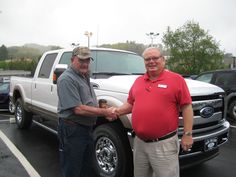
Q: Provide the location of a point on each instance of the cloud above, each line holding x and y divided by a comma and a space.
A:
61, 22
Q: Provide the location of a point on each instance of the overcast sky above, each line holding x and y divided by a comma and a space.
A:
62, 22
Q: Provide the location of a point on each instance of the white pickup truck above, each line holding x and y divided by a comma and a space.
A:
112, 74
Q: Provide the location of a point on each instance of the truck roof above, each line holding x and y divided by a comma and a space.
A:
92, 48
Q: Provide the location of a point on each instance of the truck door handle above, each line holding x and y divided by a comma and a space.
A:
95, 85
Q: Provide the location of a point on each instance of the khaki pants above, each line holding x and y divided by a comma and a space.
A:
157, 159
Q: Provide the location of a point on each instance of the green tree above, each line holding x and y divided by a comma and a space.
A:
3, 53
192, 50
129, 45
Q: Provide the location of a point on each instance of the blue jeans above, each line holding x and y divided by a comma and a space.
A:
75, 148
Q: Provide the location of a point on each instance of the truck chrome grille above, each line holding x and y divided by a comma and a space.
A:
207, 97
208, 112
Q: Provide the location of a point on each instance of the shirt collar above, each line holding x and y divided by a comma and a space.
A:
160, 77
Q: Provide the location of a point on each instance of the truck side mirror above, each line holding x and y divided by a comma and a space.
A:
59, 69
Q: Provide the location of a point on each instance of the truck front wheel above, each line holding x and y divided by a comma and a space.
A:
23, 118
112, 155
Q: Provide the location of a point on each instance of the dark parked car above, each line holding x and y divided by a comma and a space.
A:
5, 102
226, 79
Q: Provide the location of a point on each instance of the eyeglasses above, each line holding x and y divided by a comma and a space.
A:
152, 58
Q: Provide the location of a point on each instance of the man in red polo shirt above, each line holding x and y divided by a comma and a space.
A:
155, 100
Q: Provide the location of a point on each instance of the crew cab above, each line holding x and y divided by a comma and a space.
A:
112, 74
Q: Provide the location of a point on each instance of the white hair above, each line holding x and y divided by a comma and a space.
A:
151, 48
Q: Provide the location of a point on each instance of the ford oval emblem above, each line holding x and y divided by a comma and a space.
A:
207, 112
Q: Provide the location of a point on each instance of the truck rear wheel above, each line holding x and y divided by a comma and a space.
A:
112, 155
23, 118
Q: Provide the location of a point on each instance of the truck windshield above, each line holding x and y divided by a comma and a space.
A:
118, 63
112, 62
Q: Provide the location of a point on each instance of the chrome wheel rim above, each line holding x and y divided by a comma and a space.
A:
106, 155
18, 113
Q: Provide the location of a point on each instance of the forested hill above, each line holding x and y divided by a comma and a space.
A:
33, 51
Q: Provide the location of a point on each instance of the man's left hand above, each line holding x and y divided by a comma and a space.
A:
186, 142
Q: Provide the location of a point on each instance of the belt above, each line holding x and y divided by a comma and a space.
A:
67, 121
71, 122
169, 135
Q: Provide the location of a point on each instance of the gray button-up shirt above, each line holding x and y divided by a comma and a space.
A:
74, 89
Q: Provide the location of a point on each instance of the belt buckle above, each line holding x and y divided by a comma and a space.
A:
154, 140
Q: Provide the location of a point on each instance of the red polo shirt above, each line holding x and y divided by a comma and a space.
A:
156, 104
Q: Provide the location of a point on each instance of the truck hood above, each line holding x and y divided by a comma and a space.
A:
122, 84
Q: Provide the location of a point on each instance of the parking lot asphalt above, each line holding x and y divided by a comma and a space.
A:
35, 153
12, 161
9, 160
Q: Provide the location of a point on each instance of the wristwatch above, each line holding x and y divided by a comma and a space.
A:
188, 133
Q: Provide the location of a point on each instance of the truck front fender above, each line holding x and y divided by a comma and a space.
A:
114, 102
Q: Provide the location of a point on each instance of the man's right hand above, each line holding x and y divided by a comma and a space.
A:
111, 114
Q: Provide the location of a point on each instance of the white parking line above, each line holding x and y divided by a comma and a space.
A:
28, 167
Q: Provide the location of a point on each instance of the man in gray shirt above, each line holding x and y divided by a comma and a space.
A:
77, 112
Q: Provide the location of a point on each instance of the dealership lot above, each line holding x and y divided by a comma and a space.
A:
38, 149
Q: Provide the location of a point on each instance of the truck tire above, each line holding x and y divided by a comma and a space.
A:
232, 110
112, 153
23, 118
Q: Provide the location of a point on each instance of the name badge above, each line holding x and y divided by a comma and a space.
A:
162, 86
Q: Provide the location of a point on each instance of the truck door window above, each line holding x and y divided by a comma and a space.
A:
225, 79
47, 65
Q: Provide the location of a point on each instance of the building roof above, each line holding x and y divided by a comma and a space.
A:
14, 73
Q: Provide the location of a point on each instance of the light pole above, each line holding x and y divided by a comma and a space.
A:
234, 62
88, 34
152, 35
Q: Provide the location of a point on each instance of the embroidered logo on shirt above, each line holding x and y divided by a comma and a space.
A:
162, 86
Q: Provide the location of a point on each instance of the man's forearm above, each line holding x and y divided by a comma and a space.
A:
187, 113
126, 108
90, 111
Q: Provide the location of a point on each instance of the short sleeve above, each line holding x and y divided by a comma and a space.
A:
130, 98
184, 94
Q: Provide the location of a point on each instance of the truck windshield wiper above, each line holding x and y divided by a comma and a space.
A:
137, 73
110, 73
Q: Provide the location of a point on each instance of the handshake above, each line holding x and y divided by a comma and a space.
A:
111, 113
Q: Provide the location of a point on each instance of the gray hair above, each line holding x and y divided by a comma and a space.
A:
151, 48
